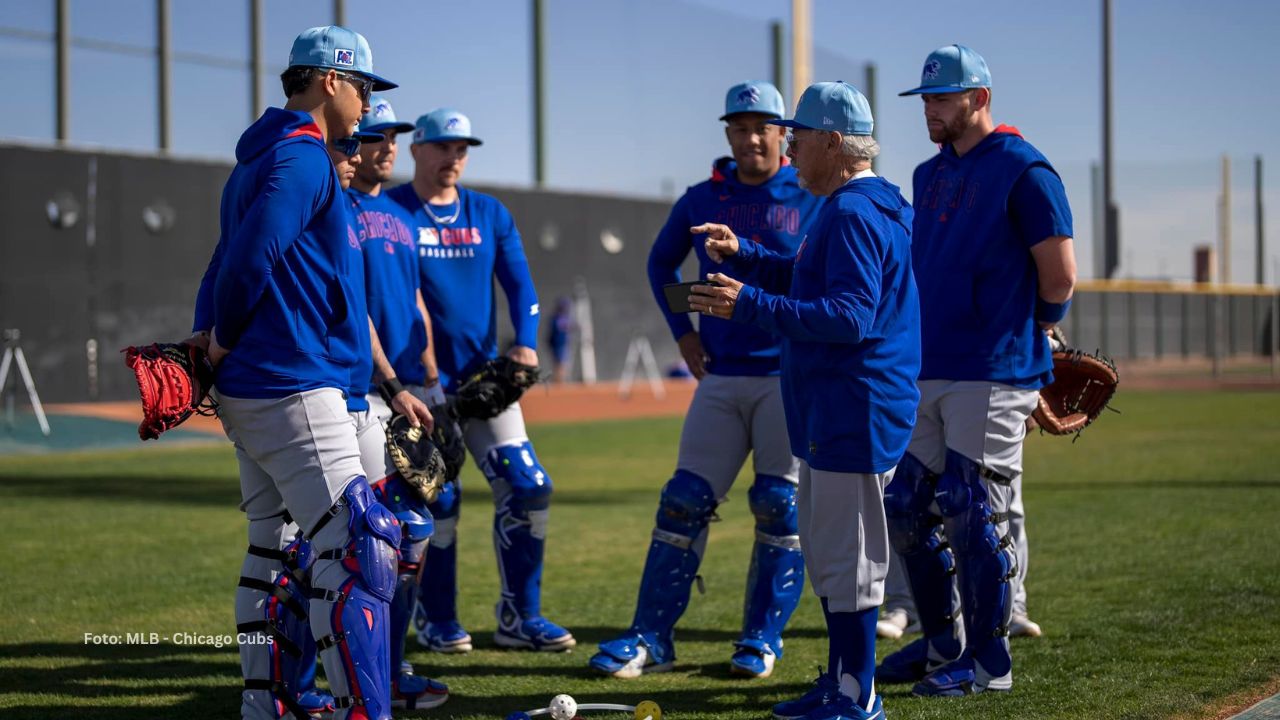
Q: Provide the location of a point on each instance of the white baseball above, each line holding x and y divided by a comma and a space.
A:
563, 707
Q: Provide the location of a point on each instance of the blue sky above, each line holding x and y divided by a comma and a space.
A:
635, 87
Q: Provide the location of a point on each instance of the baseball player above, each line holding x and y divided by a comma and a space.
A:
465, 239
736, 410
373, 230
993, 255
846, 307
285, 328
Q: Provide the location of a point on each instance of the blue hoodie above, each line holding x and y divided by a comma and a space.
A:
457, 262
278, 289
775, 214
850, 323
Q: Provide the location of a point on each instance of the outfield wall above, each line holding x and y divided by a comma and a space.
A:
79, 291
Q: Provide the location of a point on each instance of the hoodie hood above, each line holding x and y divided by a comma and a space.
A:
883, 194
274, 126
1002, 135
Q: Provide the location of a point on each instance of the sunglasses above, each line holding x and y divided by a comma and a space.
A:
363, 85
348, 146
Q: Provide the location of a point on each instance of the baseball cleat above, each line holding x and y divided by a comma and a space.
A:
892, 624
843, 707
907, 665
1023, 626
825, 690
535, 633
445, 637
749, 662
414, 692
317, 704
629, 657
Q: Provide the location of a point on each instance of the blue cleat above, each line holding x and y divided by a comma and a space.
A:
825, 691
445, 637
752, 662
533, 633
633, 655
317, 704
414, 692
908, 665
954, 679
842, 707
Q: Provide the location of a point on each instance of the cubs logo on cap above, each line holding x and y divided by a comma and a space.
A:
336, 48
382, 117
755, 96
444, 125
954, 68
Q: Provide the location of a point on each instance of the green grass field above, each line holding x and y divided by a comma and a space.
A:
1155, 573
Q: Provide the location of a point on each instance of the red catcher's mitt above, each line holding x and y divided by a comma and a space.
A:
1083, 385
174, 381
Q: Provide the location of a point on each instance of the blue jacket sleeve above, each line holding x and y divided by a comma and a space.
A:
203, 321
296, 186
669, 251
844, 310
761, 266
512, 268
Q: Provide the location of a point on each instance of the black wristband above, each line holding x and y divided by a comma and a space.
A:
390, 388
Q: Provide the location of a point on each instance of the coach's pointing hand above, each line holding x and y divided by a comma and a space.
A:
721, 242
718, 300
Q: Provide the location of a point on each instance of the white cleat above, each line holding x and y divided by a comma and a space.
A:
893, 624
1023, 626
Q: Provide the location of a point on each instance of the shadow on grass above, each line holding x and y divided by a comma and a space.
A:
1148, 485
120, 677
590, 636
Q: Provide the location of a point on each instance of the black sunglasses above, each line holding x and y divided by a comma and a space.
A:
348, 146
363, 85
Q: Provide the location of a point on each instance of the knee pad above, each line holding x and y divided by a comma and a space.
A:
906, 505
373, 538
773, 502
686, 507
527, 485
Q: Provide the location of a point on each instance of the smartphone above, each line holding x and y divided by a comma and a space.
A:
677, 294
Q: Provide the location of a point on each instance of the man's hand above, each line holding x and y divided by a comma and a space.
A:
216, 351
408, 405
522, 354
693, 353
717, 300
721, 242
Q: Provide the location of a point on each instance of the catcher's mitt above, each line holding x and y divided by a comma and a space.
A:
447, 437
1083, 385
173, 381
416, 457
491, 389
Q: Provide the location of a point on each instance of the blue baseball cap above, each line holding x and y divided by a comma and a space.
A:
444, 125
754, 96
336, 48
954, 68
381, 117
834, 106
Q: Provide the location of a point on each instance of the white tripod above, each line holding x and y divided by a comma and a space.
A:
13, 354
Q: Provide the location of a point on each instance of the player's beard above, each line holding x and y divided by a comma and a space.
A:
950, 132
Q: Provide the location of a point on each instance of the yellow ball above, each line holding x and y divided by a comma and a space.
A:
648, 710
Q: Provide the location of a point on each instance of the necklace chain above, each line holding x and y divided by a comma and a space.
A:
457, 210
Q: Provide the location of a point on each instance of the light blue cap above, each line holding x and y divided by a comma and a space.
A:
443, 125
754, 96
834, 106
954, 68
336, 48
381, 117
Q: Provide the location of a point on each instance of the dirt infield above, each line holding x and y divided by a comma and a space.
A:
602, 401
545, 404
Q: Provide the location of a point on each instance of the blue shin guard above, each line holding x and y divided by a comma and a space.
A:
916, 534
985, 562
435, 615
686, 506
775, 580
416, 528
354, 581
275, 609
523, 491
